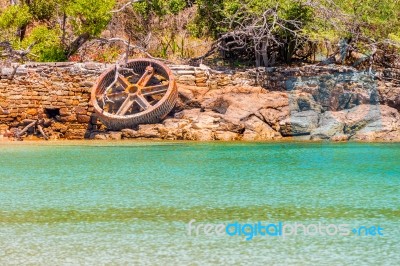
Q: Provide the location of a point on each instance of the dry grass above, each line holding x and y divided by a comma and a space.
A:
166, 37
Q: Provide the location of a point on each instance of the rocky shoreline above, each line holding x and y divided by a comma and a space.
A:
308, 103
255, 114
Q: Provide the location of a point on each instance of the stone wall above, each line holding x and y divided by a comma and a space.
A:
60, 92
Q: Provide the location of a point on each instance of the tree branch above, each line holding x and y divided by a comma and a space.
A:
126, 5
8, 51
131, 46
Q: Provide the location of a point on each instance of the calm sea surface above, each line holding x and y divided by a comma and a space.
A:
130, 203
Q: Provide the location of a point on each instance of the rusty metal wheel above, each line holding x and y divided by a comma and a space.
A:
141, 92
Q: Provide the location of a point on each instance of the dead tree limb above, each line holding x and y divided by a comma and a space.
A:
15, 68
8, 51
126, 5
32, 123
131, 46
262, 35
42, 132
20, 133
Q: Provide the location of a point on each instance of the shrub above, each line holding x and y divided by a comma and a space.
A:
46, 44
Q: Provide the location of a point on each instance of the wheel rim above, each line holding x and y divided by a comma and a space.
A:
143, 92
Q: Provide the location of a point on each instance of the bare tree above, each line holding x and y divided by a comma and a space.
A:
7, 51
264, 36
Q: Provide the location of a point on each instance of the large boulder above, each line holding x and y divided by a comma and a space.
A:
339, 91
256, 129
190, 97
238, 103
330, 124
364, 122
299, 123
373, 122
390, 95
151, 131
371, 118
274, 116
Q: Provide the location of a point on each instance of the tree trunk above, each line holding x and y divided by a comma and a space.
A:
258, 56
20, 133
64, 22
264, 50
42, 132
290, 51
21, 32
77, 43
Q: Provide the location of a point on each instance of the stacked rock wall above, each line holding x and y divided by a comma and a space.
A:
58, 91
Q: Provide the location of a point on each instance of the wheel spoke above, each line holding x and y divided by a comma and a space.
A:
126, 105
123, 81
147, 75
142, 101
113, 96
152, 90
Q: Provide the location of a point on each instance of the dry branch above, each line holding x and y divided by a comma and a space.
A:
32, 123
131, 46
258, 34
42, 132
8, 51
126, 5
20, 133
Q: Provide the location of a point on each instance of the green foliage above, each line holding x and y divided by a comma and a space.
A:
363, 23
394, 37
375, 19
42, 9
159, 7
46, 44
173, 45
15, 17
174, 6
210, 14
88, 16
108, 55
143, 8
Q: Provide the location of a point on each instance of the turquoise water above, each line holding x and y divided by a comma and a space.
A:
130, 203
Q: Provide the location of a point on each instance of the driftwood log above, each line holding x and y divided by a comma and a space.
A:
32, 123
